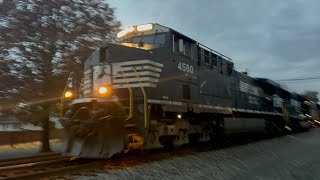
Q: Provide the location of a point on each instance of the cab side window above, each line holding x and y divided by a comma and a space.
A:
182, 46
206, 56
175, 44
187, 49
229, 69
213, 59
221, 66
199, 49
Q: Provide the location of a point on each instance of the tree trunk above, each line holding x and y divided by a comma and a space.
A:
45, 133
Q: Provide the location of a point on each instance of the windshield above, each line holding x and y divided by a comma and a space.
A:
155, 39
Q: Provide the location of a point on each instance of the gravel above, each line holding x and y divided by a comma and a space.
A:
288, 157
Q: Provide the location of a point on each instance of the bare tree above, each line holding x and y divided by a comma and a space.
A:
44, 39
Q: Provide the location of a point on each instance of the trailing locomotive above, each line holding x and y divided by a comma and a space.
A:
159, 88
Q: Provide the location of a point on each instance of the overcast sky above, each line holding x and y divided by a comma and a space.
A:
270, 38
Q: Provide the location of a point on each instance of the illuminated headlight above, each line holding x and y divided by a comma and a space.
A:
104, 90
125, 32
144, 27
179, 116
68, 94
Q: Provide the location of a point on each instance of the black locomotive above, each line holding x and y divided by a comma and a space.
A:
158, 87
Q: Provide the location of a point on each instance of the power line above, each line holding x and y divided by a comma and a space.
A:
301, 79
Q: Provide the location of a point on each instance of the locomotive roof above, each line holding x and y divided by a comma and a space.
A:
180, 34
155, 27
194, 41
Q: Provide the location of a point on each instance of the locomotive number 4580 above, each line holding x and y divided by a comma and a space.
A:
185, 67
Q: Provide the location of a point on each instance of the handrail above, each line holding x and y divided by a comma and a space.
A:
144, 99
62, 96
81, 87
130, 92
61, 103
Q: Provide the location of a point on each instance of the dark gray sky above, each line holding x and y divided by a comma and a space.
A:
270, 38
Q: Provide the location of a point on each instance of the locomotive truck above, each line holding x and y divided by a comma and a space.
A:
158, 88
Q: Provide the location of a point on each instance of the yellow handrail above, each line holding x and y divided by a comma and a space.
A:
62, 96
131, 95
61, 103
80, 89
144, 99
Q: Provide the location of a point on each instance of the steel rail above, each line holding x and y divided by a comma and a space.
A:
56, 171
32, 164
6, 162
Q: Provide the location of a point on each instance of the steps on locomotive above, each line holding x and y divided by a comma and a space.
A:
134, 140
130, 126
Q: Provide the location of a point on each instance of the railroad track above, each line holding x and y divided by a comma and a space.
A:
43, 166
54, 164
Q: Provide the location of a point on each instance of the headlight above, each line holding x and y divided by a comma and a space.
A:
144, 27
68, 94
103, 90
179, 116
125, 31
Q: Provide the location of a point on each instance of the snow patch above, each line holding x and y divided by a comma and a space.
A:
30, 7
3, 23
20, 6
65, 8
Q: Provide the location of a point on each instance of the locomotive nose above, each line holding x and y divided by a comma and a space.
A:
101, 141
92, 134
